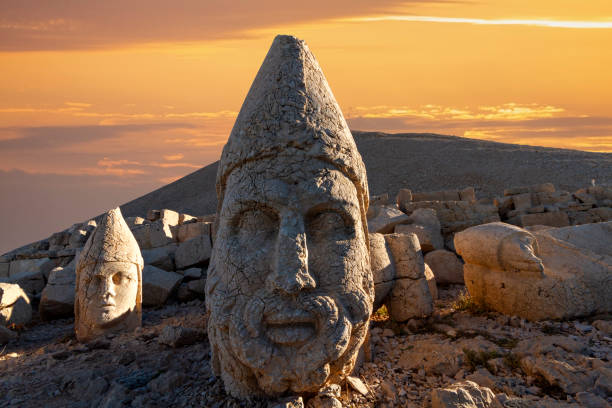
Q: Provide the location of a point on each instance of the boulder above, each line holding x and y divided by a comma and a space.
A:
20, 266
466, 394
554, 273
445, 265
410, 296
431, 282
385, 219
425, 225
153, 235
57, 299
403, 196
15, 305
6, 335
553, 219
178, 336
158, 285
162, 257
194, 252
383, 268
191, 230
32, 282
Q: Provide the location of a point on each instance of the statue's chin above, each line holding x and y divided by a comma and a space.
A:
288, 347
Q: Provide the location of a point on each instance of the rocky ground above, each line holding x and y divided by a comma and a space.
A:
166, 362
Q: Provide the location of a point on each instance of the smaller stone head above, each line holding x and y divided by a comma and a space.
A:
109, 280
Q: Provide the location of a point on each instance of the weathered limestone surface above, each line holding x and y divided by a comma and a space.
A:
445, 265
195, 251
425, 224
57, 299
466, 394
385, 218
553, 273
157, 285
383, 268
410, 296
15, 305
108, 280
289, 286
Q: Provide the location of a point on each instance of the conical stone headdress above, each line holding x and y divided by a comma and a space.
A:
291, 111
111, 241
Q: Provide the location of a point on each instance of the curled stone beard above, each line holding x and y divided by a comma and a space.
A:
300, 367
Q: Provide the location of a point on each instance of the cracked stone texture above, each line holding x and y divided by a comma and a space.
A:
555, 273
289, 286
108, 295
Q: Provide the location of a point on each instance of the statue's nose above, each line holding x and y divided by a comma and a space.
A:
290, 274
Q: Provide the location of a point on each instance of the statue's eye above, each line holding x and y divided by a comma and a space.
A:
258, 223
328, 225
117, 278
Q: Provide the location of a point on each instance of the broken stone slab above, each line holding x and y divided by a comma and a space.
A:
6, 335
158, 285
57, 298
410, 296
193, 252
553, 219
425, 225
15, 307
178, 336
43, 265
153, 235
383, 268
467, 194
385, 220
446, 266
553, 273
536, 188
162, 257
31, 282
4, 269
403, 197
570, 378
466, 394
191, 230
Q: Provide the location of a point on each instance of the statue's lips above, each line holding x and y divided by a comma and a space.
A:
290, 327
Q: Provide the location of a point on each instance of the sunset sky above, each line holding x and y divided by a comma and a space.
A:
103, 101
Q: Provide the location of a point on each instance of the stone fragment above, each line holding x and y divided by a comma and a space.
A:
410, 296
57, 299
431, 282
603, 385
553, 219
193, 229
184, 218
521, 202
383, 268
357, 385
158, 285
153, 215
465, 394
197, 286
571, 379
445, 265
289, 170
326, 398
153, 235
537, 188
193, 273
386, 219
162, 257
108, 294
133, 222
21, 266
194, 252
177, 336
6, 335
4, 269
403, 196
467, 194
587, 399
554, 273
32, 282
169, 217
288, 402
15, 305
381, 199
425, 224
183, 294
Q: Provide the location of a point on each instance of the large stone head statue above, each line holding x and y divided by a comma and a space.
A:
108, 280
289, 285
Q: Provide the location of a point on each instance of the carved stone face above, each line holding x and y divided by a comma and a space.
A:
111, 289
290, 287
